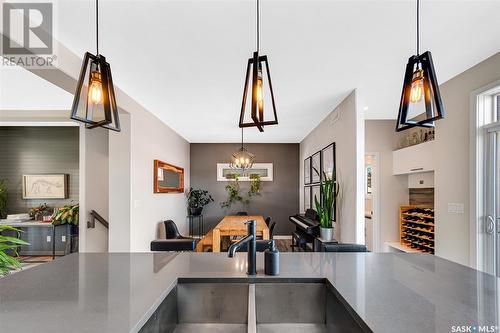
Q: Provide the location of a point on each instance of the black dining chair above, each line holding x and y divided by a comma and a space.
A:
268, 221
241, 214
271, 230
174, 240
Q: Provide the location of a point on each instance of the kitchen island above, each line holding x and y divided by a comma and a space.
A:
389, 292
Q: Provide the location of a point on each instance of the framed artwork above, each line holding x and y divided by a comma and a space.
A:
263, 170
53, 186
368, 179
328, 164
167, 178
307, 197
307, 171
316, 167
315, 193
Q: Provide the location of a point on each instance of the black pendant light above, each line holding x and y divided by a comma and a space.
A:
94, 103
421, 101
255, 68
242, 159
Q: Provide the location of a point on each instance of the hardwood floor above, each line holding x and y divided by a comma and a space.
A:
34, 259
283, 245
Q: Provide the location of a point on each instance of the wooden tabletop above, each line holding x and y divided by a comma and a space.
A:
233, 225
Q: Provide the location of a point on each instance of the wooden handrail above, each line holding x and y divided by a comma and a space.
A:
95, 216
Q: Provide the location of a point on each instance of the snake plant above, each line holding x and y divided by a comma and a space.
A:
329, 189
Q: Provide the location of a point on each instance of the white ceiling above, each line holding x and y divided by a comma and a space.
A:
185, 60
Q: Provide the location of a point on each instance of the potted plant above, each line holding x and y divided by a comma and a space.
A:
68, 214
234, 195
8, 250
38, 212
197, 199
329, 190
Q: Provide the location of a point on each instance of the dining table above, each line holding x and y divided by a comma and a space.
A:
234, 225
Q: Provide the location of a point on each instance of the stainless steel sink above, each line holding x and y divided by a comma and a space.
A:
253, 305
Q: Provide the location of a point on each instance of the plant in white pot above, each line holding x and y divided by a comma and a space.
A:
329, 189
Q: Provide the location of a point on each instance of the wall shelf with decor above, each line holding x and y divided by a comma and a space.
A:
416, 228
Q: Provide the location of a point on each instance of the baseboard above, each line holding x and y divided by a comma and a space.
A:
282, 237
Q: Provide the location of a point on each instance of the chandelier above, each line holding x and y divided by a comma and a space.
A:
242, 159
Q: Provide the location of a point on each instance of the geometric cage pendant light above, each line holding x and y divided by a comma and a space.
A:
94, 102
242, 159
421, 103
257, 79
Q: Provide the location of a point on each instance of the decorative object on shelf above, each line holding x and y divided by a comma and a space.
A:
3, 199
262, 170
8, 246
197, 199
307, 171
39, 212
421, 103
234, 195
167, 178
316, 167
328, 159
414, 138
94, 102
45, 186
67, 214
242, 159
325, 205
255, 68
416, 228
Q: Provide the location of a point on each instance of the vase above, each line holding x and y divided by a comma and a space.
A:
326, 234
195, 211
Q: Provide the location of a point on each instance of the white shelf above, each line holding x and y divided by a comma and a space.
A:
413, 159
401, 248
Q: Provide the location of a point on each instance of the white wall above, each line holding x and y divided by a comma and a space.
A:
452, 159
151, 139
94, 188
348, 134
380, 137
119, 186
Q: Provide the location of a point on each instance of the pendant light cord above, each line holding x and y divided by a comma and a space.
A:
97, 25
258, 28
418, 27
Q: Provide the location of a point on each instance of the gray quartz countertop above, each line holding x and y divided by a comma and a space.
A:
390, 292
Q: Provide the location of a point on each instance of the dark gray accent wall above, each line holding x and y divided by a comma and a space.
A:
279, 198
38, 150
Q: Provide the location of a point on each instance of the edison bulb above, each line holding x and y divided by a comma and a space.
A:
417, 86
95, 89
260, 97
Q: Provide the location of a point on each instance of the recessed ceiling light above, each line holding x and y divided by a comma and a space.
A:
365, 108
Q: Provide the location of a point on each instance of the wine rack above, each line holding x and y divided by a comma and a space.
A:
416, 228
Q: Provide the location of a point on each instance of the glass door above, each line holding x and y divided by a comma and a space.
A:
492, 199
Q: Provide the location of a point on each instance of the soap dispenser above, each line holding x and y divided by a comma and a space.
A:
272, 260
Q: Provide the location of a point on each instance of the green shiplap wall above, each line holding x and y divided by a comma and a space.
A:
38, 150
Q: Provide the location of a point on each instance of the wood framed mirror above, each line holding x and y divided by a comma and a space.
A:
167, 178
